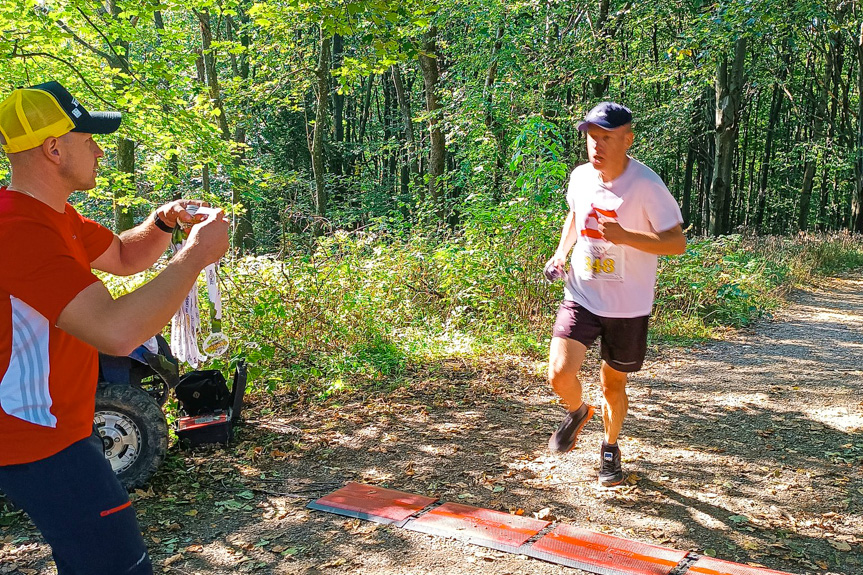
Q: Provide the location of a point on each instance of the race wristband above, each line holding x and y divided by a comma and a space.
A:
162, 225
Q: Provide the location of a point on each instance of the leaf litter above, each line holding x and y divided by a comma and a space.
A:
739, 449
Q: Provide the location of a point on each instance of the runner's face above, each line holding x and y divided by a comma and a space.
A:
606, 149
80, 160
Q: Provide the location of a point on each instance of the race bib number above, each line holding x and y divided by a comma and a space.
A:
599, 261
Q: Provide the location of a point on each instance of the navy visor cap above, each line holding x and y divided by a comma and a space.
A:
606, 115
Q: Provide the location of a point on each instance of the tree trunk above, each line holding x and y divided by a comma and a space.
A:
772, 122
323, 89
606, 30
857, 198
366, 110
729, 87
390, 162
173, 159
336, 160
706, 153
437, 154
819, 110
696, 124
492, 123
243, 234
407, 119
210, 72
119, 60
123, 217
202, 79
738, 195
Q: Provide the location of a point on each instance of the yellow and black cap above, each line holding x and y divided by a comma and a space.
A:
31, 115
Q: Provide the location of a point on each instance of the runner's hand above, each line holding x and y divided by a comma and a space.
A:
612, 231
556, 263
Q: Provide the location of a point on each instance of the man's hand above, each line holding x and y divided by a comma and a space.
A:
208, 240
118, 326
174, 213
612, 231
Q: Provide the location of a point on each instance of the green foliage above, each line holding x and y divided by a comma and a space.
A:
716, 283
731, 281
367, 307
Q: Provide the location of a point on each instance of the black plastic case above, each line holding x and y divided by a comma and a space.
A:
216, 427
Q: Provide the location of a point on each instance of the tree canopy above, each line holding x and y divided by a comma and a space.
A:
306, 117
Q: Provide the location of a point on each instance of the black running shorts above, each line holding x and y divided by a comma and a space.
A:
622, 343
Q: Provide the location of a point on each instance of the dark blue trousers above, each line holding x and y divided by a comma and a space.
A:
82, 510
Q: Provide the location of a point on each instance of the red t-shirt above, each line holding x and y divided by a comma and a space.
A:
47, 377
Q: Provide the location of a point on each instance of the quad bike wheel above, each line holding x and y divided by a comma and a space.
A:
133, 430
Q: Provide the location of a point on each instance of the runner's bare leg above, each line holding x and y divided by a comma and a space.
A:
564, 361
615, 402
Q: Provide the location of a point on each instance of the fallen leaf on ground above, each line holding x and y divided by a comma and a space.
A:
839, 545
173, 559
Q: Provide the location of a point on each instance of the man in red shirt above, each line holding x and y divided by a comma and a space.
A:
54, 316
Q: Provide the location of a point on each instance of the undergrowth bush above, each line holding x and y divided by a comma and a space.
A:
729, 282
366, 306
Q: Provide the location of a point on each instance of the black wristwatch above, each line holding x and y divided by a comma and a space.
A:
162, 225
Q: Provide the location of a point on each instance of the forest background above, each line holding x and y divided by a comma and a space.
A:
395, 170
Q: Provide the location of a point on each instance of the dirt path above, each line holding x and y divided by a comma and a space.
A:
749, 449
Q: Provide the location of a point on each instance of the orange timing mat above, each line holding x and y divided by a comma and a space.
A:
601, 553
373, 503
485, 527
564, 544
711, 566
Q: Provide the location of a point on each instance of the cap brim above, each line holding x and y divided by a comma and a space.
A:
98, 123
583, 126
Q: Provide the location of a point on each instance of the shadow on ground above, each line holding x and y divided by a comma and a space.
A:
748, 449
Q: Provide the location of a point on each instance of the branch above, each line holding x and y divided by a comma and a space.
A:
84, 43
17, 54
573, 22
123, 61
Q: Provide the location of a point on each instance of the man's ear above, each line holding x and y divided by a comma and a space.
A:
630, 138
51, 149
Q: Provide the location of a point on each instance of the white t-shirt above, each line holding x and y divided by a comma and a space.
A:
610, 280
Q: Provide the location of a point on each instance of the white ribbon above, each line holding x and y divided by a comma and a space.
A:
186, 323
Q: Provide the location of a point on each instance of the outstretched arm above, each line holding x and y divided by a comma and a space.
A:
137, 249
117, 326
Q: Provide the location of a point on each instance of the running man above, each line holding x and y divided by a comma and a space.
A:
621, 217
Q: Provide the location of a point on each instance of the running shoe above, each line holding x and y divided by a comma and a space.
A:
610, 473
564, 438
